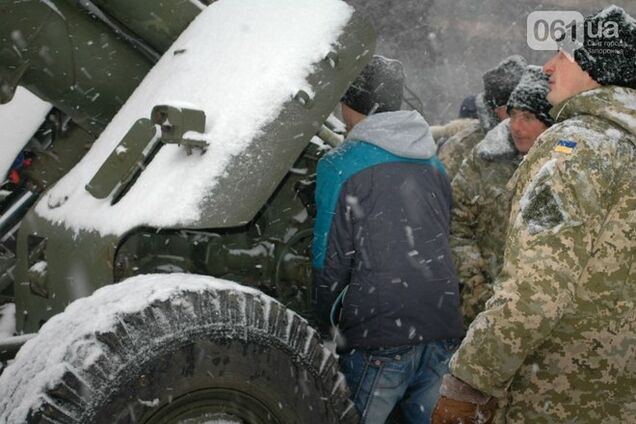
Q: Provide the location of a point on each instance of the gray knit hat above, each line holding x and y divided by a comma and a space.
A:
500, 81
378, 88
530, 95
608, 51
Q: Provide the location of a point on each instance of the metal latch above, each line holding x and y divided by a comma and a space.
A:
177, 122
141, 143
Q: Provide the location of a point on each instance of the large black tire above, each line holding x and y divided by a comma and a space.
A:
218, 353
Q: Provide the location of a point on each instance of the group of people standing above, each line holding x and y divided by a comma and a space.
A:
519, 226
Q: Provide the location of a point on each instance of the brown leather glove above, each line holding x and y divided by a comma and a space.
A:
461, 404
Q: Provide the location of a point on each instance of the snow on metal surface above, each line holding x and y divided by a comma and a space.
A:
198, 4
54, 8
23, 382
239, 62
7, 320
19, 120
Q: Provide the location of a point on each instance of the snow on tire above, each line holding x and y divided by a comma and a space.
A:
175, 348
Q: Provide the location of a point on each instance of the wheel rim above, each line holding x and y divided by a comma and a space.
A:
211, 406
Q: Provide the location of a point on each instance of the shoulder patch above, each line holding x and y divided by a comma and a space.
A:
540, 207
543, 211
565, 146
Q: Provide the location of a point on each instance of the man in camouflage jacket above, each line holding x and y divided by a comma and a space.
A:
491, 109
481, 199
467, 118
557, 341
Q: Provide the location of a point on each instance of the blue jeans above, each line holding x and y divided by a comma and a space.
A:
404, 376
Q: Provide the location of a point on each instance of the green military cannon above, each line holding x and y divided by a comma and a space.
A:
174, 211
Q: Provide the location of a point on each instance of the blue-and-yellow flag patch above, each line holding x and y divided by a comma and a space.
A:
565, 146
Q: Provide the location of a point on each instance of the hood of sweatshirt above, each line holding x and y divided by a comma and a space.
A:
403, 133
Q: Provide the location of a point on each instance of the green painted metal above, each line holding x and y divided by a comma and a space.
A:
251, 177
68, 58
253, 219
158, 23
139, 146
126, 161
177, 122
77, 264
66, 143
271, 253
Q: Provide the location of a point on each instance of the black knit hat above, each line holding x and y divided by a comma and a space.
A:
530, 95
608, 52
468, 109
380, 83
500, 81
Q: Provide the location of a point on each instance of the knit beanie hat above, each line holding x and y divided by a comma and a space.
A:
608, 51
378, 88
488, 119
500, 81
468, 109
530, 95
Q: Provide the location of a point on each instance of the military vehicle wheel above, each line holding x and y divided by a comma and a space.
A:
175, 349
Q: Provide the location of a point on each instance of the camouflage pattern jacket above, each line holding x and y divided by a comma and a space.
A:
480, 216
455, 149
558, 337
441, 133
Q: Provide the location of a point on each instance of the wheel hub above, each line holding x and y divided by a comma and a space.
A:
214, 406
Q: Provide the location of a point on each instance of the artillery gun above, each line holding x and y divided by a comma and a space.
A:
204, 122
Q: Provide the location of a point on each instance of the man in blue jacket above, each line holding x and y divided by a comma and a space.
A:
382, 264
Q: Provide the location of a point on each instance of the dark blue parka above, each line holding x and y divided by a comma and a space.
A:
381, 236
